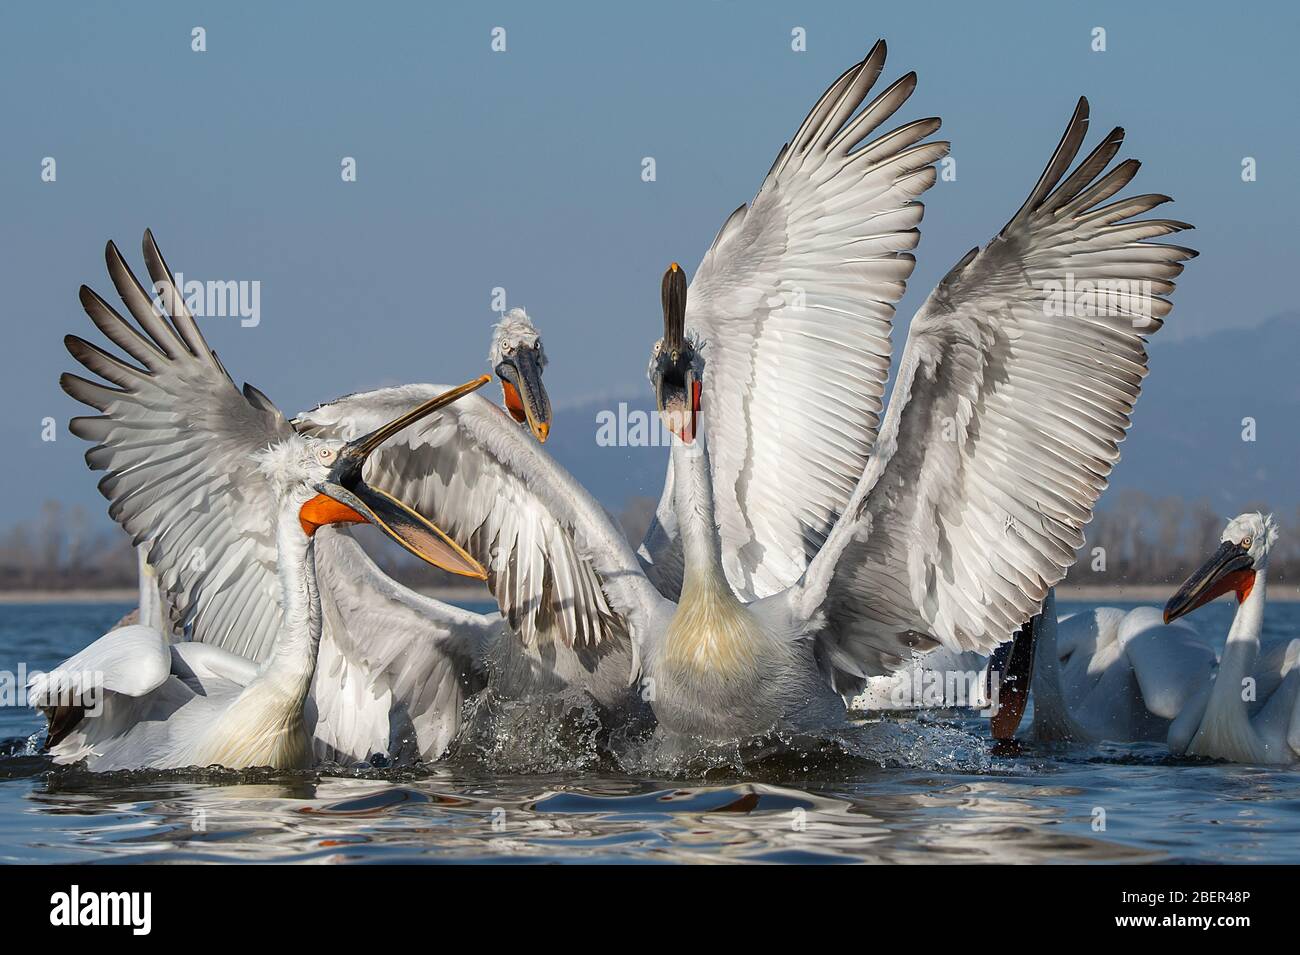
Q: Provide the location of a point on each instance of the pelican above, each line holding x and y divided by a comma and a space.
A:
1145, 675
220, 479
393, 667
1101, 675
1249, 714
516, 356
794, 554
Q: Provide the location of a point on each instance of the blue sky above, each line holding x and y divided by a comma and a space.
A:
522, 169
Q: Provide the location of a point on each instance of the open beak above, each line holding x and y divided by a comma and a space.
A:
1229, 568
677, 391
345, 498
525, 395
1012, 666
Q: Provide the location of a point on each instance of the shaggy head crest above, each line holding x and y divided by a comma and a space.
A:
286, 463
517, 330
1259, 527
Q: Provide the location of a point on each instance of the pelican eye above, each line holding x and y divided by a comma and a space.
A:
326, 455
1245, 542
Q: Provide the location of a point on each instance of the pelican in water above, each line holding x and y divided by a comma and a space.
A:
231, 474
1145, 675
795, 554
1104, 674
1250, 713
393, 666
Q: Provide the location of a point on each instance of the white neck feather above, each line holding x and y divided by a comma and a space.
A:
292, 662
1242, 649
264, 725
693, 501
712, 633
1225, 731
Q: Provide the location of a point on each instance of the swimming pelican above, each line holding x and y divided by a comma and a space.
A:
394, 667
1011, 401
1143, 675
233, 499
1249, 714
1104, 674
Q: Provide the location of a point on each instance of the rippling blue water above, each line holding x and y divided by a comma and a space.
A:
902, 790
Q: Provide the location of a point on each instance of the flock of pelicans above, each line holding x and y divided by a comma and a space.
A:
801, 548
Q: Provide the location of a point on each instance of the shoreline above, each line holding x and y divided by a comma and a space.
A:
1142, 593
129, 595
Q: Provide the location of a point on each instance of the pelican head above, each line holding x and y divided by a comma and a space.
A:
518, 358
322, 479
1242, 552
675, 364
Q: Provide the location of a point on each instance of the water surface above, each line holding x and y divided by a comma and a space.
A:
883, 790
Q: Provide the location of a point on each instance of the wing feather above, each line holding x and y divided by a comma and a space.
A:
793, 305
176, 438
557, 565
1015, 390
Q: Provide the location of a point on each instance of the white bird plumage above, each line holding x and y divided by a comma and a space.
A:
934, 540
1144, 675
809, 552
214, 483
163, 705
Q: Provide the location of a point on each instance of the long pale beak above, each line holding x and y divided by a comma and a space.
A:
1012, 665
348, 499
1229, 568
525, 395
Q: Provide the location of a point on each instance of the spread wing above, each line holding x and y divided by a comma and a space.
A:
1015, 390
793, 305
559, 567
175, 437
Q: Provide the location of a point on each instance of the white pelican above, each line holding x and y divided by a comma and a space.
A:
1249, 714
232, 498
1104, 674
394, 665
1005, 422
1146, 676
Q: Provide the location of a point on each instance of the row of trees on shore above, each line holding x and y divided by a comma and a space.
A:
1135, 538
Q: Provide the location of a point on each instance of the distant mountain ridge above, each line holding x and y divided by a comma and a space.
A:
1188, 437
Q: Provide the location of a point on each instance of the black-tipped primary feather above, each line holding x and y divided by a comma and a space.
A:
118, 330
176, 444
141, 306
107, 366
1064, 154
172, 299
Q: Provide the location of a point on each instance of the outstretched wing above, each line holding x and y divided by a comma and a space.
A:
793, 305
559, 567
1014, 393
175, 437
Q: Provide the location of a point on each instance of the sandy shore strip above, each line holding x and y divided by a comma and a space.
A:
1143, 593
1155, 593
128, 595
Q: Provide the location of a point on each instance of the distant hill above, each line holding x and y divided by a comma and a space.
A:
1187, 435
1186, 438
